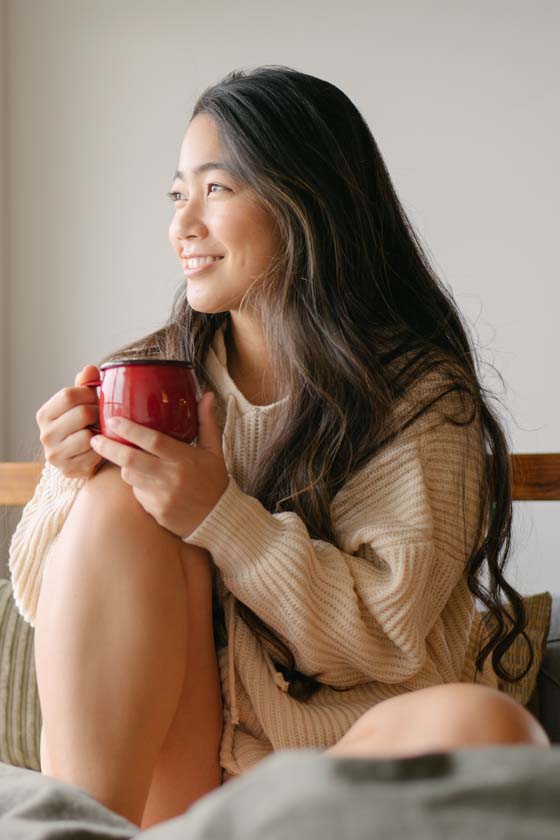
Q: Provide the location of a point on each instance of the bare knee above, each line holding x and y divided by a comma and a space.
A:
107, 496
107, 535
488, 716
471, 715
112, 511
449, 716
105, 493
107, 511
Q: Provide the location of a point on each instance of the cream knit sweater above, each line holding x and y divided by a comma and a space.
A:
384, 610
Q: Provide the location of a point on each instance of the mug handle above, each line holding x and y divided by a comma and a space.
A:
93, 383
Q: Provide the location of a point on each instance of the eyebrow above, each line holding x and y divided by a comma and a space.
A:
204, 167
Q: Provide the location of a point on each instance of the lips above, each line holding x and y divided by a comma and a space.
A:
214, 257
188, 254
199, 267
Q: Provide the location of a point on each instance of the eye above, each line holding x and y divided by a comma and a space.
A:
174, 198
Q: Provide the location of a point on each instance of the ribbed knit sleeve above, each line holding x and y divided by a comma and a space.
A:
361, 609
41, 522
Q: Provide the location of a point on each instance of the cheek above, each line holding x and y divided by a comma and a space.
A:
253, 235
227, 227
267, 233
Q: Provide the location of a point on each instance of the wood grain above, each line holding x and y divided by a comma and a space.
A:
18, 480
536, 477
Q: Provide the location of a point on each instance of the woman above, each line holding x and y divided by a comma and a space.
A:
306, 575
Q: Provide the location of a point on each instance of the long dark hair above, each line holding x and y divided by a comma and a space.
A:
353, 315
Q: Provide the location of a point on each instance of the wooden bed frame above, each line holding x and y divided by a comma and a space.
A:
536, 477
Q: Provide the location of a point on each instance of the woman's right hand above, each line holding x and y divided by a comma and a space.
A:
63, 422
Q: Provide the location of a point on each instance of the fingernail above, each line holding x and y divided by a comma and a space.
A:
114, 422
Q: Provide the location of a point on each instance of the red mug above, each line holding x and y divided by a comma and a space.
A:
157, 393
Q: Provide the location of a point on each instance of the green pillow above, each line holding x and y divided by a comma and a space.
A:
20, 711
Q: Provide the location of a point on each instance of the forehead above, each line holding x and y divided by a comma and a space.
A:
201, 151
201, 141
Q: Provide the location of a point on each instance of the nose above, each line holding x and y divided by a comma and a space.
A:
188, 222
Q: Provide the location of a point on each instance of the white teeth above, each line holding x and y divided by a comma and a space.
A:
195, 262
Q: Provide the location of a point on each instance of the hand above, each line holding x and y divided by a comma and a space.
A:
176, 483
63, 425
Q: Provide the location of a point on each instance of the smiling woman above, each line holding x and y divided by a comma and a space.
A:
231, 229
342, 490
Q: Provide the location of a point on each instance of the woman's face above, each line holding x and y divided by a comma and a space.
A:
216, 215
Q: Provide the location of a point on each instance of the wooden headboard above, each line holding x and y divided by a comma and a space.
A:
536, 477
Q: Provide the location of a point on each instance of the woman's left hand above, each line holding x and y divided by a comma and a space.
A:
176, 483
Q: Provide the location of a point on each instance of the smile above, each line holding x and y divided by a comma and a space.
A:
195, 265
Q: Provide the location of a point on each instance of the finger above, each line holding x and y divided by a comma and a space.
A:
97, 466
80, 466
149, 440
138, 480
86, 465
87, 373
64, 400
124, 455
76, 445
72, 421
209, 434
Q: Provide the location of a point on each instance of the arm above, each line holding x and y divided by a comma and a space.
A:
360, 610
41, 522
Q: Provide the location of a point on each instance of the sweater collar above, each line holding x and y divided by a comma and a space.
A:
216, 365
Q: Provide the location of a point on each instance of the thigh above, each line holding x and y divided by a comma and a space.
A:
201, 699
108, 540
188, 765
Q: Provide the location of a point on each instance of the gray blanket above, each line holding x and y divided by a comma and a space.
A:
508, 792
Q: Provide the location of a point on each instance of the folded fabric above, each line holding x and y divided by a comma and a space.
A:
507, 791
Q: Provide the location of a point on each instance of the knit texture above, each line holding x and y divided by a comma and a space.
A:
384, 610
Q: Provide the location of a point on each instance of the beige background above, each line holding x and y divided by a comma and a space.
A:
94, 96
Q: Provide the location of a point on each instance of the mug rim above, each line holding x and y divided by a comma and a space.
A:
145, 362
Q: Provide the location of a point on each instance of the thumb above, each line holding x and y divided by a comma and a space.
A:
87, 373
209, 433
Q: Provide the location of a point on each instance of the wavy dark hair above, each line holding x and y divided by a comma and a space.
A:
354, 316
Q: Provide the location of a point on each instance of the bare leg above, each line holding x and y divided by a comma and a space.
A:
188, 763
111, 645
440, 718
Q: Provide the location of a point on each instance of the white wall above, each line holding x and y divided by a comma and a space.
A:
8, 516
3, 234
461, 97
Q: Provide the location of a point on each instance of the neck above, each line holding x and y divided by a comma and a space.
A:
247, 360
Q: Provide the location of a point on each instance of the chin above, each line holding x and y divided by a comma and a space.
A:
204, 303
207, 309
